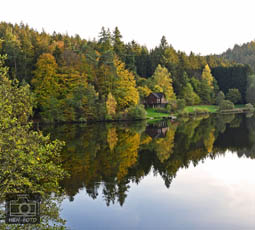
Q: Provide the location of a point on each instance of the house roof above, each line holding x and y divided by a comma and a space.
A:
158, 95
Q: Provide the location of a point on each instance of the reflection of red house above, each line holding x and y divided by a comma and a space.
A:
156, 100
158, 130
157, 133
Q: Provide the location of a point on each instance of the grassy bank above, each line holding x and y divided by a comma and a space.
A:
153, 114
190, 110
207, 108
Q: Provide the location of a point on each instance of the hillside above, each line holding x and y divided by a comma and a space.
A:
73, 79
244, 54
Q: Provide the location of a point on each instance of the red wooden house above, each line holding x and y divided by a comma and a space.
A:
156, 100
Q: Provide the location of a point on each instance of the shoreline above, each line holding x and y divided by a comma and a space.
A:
197, 111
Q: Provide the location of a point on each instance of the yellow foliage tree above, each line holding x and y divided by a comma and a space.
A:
45, 80
125, 90
162, 81
111, 105
104, 79
54, 89
144, 91
206, 75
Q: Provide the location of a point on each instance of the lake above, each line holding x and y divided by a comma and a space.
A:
194, 173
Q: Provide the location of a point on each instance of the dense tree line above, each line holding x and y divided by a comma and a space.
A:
77, 80
233, 77
244, 54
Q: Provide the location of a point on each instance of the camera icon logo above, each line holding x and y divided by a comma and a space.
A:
22, 208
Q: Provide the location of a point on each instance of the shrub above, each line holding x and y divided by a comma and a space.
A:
169, 108
172, 104
121, 115
226, 105
249, 107
181, 104
234, 95
136, 112
220, 97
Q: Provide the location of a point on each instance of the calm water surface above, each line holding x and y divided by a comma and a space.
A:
190, 174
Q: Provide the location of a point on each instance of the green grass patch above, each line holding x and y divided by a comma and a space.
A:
209, 108
152, 113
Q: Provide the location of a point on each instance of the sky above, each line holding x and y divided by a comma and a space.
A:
202, 26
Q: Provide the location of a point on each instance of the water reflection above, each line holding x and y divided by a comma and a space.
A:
109, 157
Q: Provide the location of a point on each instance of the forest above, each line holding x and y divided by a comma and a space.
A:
73, 79
244, 54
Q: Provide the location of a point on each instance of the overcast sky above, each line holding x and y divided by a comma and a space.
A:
201, 26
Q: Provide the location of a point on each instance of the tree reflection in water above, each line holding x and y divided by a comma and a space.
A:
109, 157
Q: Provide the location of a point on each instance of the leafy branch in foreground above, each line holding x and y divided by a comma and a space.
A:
29, 161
